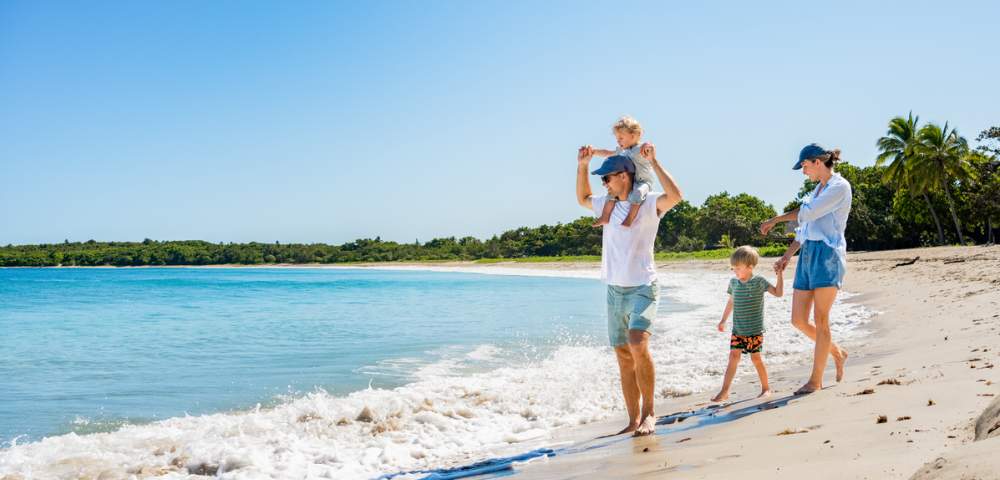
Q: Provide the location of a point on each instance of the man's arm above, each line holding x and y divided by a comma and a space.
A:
583, 194
671, 192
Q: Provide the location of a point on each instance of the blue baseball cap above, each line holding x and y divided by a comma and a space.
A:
615, 164
809, 151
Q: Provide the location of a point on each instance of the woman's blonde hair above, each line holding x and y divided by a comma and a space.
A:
627, 124
745, 255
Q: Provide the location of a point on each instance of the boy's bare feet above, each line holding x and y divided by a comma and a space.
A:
627, 223
764, 393
839, 361
646, 427
721, 397
600, 222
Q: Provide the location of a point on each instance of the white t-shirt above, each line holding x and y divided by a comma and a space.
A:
627, 252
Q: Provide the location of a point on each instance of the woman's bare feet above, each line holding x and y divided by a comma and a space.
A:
764, 393
646, 427
839, 361
721, 397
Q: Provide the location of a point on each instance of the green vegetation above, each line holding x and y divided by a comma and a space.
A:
920, 172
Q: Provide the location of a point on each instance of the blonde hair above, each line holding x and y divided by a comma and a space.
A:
745, 255
627, 124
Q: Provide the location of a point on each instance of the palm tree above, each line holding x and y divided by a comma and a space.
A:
941, 159
898, 147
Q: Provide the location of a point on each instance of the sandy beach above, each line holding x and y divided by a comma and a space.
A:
908, 407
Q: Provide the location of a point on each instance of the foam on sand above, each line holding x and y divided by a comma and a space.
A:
444, 418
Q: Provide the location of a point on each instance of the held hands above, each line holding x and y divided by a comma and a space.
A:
584, 154
648, 151
779, 266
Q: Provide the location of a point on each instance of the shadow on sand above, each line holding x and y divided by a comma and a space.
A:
669, 424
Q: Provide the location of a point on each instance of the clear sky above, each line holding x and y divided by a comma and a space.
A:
330, 121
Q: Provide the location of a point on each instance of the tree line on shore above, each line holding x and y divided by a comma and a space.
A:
927, 187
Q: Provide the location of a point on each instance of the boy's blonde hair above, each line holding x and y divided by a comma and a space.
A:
628, 124
745, 255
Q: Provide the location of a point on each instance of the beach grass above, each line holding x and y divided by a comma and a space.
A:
714, 254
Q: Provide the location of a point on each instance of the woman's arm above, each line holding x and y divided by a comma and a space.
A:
771, 222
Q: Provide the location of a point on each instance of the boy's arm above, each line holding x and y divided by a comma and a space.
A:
725, 314
671, 192
600, 152
583, 193
778, 289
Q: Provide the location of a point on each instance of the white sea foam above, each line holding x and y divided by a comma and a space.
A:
442, 418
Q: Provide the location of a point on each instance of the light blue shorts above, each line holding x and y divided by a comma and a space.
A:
639, 191
631, 308
819, 266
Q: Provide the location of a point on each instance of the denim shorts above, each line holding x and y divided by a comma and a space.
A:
631, 308
819, 266
639, 191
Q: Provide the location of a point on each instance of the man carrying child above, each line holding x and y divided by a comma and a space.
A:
628, 269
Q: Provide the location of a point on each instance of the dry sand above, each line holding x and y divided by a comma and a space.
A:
930, 373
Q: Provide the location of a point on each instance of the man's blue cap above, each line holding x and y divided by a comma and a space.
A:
615, 164
809, 151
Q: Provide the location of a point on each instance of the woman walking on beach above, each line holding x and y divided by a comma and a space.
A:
822, 219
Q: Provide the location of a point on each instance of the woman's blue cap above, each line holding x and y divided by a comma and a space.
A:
809, 151
615, 164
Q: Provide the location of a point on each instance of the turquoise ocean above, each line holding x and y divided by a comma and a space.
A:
326, 372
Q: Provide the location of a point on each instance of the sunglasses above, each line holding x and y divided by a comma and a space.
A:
607, 178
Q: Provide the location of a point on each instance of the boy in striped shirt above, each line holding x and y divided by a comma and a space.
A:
746, 303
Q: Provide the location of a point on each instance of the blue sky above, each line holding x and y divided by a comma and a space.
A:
331, 121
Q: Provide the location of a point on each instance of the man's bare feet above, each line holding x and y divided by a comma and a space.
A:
646, 427
600, 222
764, 393
630, 428
808, 388
839, 361
721, 397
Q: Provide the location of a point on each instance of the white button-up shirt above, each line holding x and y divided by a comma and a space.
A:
823, 216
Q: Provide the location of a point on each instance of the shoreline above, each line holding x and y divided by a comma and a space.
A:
907, 407
951, 292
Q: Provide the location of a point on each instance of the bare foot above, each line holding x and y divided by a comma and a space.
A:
647, 427
630, 428
626, 223
721, 397
601, 222
764, 393
808, 388
839, 361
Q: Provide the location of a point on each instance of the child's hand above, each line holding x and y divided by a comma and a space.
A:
648, 150
584, 154
721, 326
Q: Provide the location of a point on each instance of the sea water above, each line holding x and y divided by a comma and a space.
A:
330, 373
